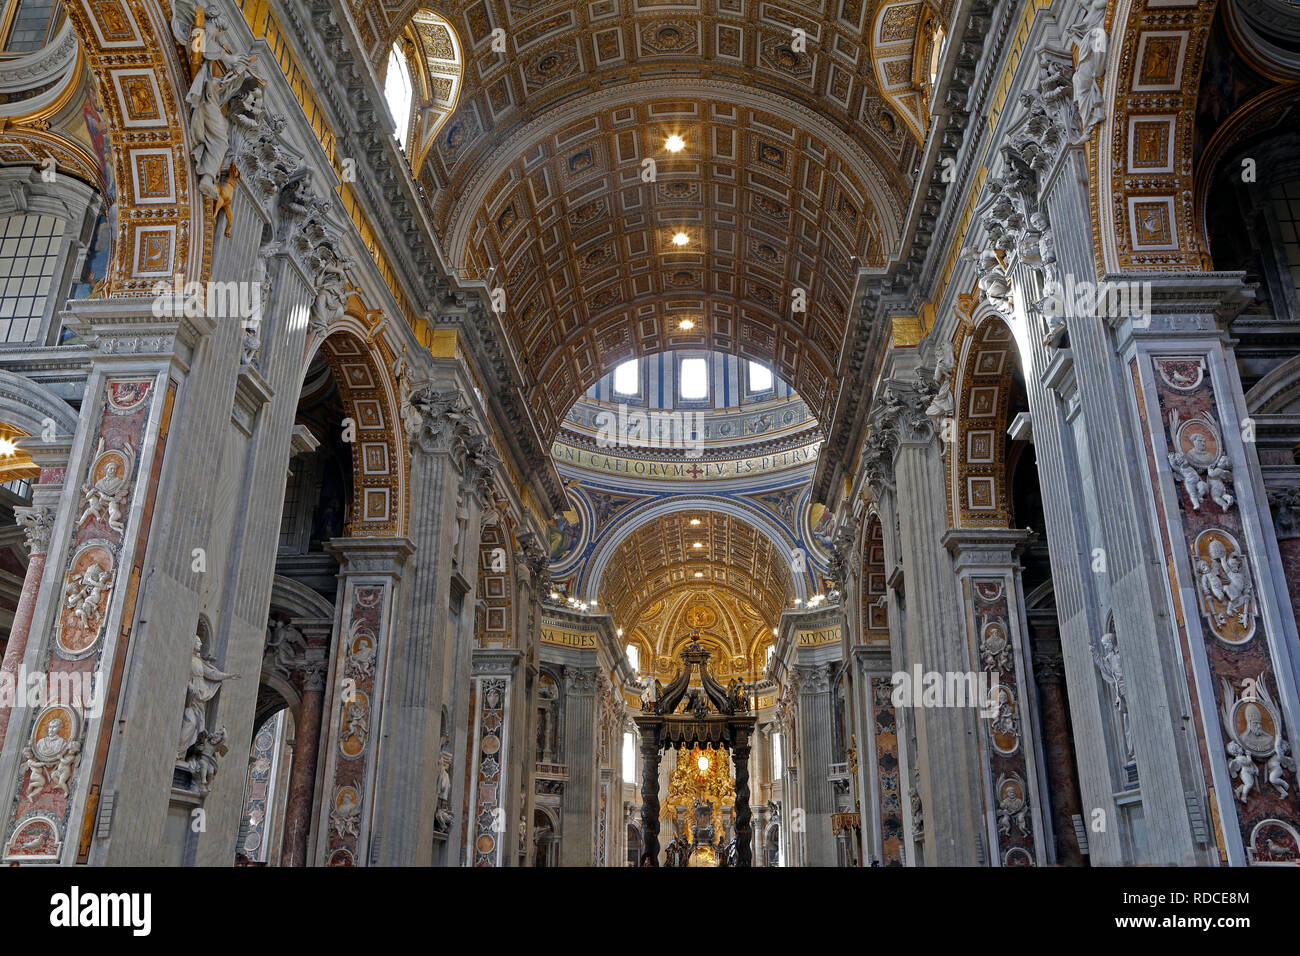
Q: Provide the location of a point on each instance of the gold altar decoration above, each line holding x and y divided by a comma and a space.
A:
690, 782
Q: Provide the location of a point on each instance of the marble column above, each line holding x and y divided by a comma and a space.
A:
494, 808
816, 712
347, 790
1058, 757
743, 816
410, 761
649, 746
580, 748
947, 751
37, 522
300, 808
1014, 784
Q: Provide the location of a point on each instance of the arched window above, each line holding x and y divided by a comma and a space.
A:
397, 91
422, 81
634, 656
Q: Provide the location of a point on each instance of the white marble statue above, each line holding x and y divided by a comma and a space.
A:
331, 287
204, 684
202, 761
50, 759
105, 498
344, 817
1091, 48
83, 591
1241, 766
1111, 665
1279, 762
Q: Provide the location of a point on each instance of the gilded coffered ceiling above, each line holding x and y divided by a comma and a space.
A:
662, 559
795, 174
732, 630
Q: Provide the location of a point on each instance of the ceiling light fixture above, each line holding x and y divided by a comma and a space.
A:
699, 574
695, 521
680, 239
675, 144
698, 544
619, 632
7, 447
686, 325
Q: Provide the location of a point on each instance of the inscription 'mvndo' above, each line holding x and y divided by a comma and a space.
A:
823, 635
551, 635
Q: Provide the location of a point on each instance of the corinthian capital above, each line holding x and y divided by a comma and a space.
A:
581, 680
437, 421
814, 678
900, 415
37, 522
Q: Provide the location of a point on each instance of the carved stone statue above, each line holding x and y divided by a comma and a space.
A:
204, 684
105, 498
203, 757
1091, 49
993, 282
1279, 762
1242, 767
219, 76
82, 593
331, 286
1108, 661
50, 759
442, 816
345, 815
1012, 808
1190, 477
941, 406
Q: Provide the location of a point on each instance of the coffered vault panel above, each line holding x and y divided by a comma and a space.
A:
660, 558
583, 245
795, 175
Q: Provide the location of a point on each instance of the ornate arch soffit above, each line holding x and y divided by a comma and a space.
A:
896, 40
594, 571
1141, 163
439, 70
979, 494
885, 202
379, 505
132, 58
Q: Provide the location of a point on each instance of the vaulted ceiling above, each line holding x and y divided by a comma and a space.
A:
661, 558
796, 173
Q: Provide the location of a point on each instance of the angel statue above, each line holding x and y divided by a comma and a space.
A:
105, 497
1280, 761
204, 684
